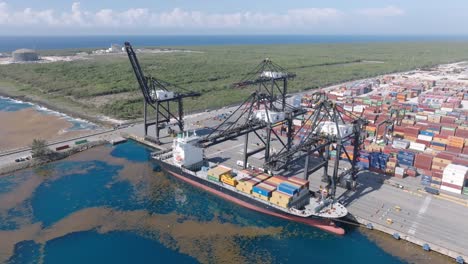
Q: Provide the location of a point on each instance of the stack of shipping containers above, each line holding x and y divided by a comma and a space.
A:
432, 134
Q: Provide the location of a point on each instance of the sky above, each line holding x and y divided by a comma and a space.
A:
233, 17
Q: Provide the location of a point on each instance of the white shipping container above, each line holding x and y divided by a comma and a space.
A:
455, 174
358, 108
446, 109
400, 144
421, 117
417, 146
399, 171
297, 122
425, 137
348, 108
450, 189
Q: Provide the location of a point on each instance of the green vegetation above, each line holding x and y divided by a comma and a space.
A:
106, 84
39, 149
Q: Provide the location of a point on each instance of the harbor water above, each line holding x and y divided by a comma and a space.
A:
111, 204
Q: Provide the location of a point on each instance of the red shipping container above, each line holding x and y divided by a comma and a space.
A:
412, 131
426, 143
454, 186
437, 175
460, 161
398, 129
447, 132
447, 120
454, 149
445, 155
427, 172
411, 172
461, 133
423, 161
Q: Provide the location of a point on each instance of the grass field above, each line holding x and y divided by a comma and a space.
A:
106, 84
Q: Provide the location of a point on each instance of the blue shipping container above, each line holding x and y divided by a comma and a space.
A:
286, 190
438, 144
290, 186
261, 191
426, 133
436, 182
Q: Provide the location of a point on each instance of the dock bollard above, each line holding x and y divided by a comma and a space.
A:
460, 260
426, 247
396, 236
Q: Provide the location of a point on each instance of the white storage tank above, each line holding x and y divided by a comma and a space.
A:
25, 55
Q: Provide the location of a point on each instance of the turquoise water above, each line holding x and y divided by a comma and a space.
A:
110, 205
9, 105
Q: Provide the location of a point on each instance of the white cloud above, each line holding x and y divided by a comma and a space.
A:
387, 11
176, 18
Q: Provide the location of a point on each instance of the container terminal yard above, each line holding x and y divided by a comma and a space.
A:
387, 153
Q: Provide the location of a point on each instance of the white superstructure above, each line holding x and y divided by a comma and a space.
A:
185, 151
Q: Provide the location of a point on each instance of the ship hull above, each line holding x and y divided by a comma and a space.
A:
321, 223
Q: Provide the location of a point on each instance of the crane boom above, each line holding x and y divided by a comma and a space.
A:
159, 97
142, 80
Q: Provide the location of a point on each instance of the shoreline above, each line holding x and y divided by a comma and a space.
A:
44, 103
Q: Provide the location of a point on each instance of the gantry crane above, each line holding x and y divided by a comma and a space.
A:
157, 95
318, 139
269, 77
264, 109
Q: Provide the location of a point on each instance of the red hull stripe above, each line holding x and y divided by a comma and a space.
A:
325, 225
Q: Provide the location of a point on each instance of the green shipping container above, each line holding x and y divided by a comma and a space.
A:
78, 142
465, 191
211, 178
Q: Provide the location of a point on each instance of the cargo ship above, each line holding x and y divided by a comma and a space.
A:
287, 198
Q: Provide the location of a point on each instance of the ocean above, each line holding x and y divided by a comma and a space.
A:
112, 205
11, 43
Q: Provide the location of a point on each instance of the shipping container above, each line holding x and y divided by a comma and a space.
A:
62, 147
79, 142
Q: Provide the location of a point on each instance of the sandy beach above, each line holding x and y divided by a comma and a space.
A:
21, 127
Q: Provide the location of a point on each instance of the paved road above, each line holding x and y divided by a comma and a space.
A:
438, 221
10, 157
